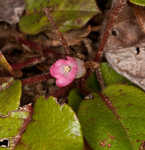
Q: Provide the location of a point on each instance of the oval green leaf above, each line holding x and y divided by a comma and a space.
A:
101, 128
129, 102
52, 127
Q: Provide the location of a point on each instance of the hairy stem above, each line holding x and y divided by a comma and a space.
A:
58, 33
117, 7
36, 79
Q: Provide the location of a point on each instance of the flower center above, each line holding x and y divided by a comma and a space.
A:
67, 69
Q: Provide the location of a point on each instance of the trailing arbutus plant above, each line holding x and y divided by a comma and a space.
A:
108, 112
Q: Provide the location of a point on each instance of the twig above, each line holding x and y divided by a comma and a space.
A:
58, 33
38, 47
30, 44
36, 79
9, 46
29, 62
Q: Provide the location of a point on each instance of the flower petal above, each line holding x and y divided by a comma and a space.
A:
57, 70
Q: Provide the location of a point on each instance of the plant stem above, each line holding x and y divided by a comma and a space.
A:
29, 62
38, 47
109, 105
36, 79
58, 33
118, 6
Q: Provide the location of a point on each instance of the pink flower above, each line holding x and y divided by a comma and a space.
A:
64, 71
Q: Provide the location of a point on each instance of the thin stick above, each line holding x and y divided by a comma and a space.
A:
36, 79
60, 36
30, 62
38, 47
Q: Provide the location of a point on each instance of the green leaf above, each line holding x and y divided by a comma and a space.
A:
10, 98
4, 63
11, 125
67, 15
74, 99
53, 127
92, 83
33, 5
33, 23
12, 119
138, 2
110, 76
129, 102
101, 128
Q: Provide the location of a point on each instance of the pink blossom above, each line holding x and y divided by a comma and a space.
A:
64, 70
